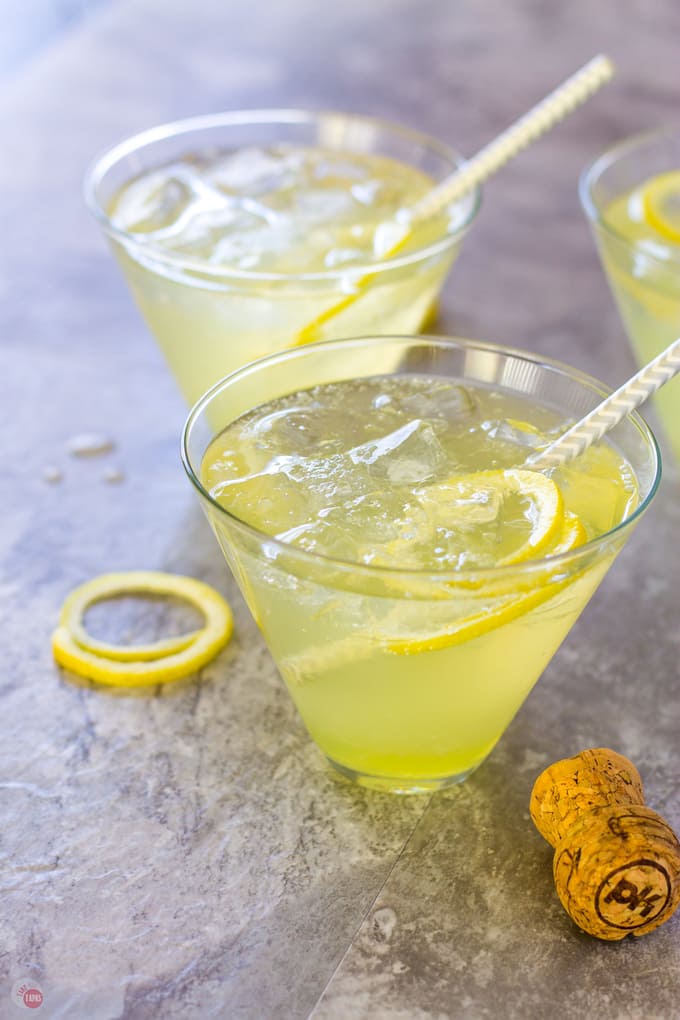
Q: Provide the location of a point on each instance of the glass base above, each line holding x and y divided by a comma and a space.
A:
400, 784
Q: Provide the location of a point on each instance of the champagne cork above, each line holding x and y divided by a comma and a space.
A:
617, 862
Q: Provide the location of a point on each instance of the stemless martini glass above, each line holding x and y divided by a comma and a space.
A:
210, 314
642, 266
406, 678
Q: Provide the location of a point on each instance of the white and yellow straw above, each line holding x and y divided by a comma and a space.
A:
611, 411
556, 105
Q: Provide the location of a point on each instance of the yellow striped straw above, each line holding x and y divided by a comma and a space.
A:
556, 105
611, 411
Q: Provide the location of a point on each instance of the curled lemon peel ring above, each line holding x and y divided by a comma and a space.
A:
137, 582
140, 665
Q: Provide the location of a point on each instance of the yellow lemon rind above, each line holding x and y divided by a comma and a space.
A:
548, 498
138, 582
312, 331
113, 673
652, 195
573, 534
160, 662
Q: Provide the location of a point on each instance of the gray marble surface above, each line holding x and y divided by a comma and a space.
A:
187, 853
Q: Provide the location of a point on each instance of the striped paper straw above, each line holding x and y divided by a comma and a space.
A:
556, 105
539, 119
611, 411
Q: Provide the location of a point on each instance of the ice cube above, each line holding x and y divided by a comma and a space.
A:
269, 500
442, 401
450, 503
517, 433
370, 528
198, 232
319, 536
305, 427
411, 454
366, 192
321, 206
341, 256
152, 202
258, 242
254, 171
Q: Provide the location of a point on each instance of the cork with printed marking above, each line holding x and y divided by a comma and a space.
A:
617, 862
594, 778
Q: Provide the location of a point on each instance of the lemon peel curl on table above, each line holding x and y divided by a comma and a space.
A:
140, 665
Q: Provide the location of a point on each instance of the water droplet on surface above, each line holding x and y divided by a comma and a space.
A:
114, 476
89, 444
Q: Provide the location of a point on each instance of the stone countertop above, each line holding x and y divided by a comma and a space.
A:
187, 853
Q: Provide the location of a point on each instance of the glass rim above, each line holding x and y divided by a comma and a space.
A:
363, 570
594, 170
104, 162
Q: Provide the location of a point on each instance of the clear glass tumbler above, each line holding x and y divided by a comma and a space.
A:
209, 319
644, 276
390, 702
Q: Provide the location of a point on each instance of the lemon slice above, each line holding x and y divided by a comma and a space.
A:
546, 507
301, 668
522, 508
158, 662
661, 205
312, 331
572, 534
524, 426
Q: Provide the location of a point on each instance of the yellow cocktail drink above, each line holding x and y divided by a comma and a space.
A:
633, 198
237, 232
412, 579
